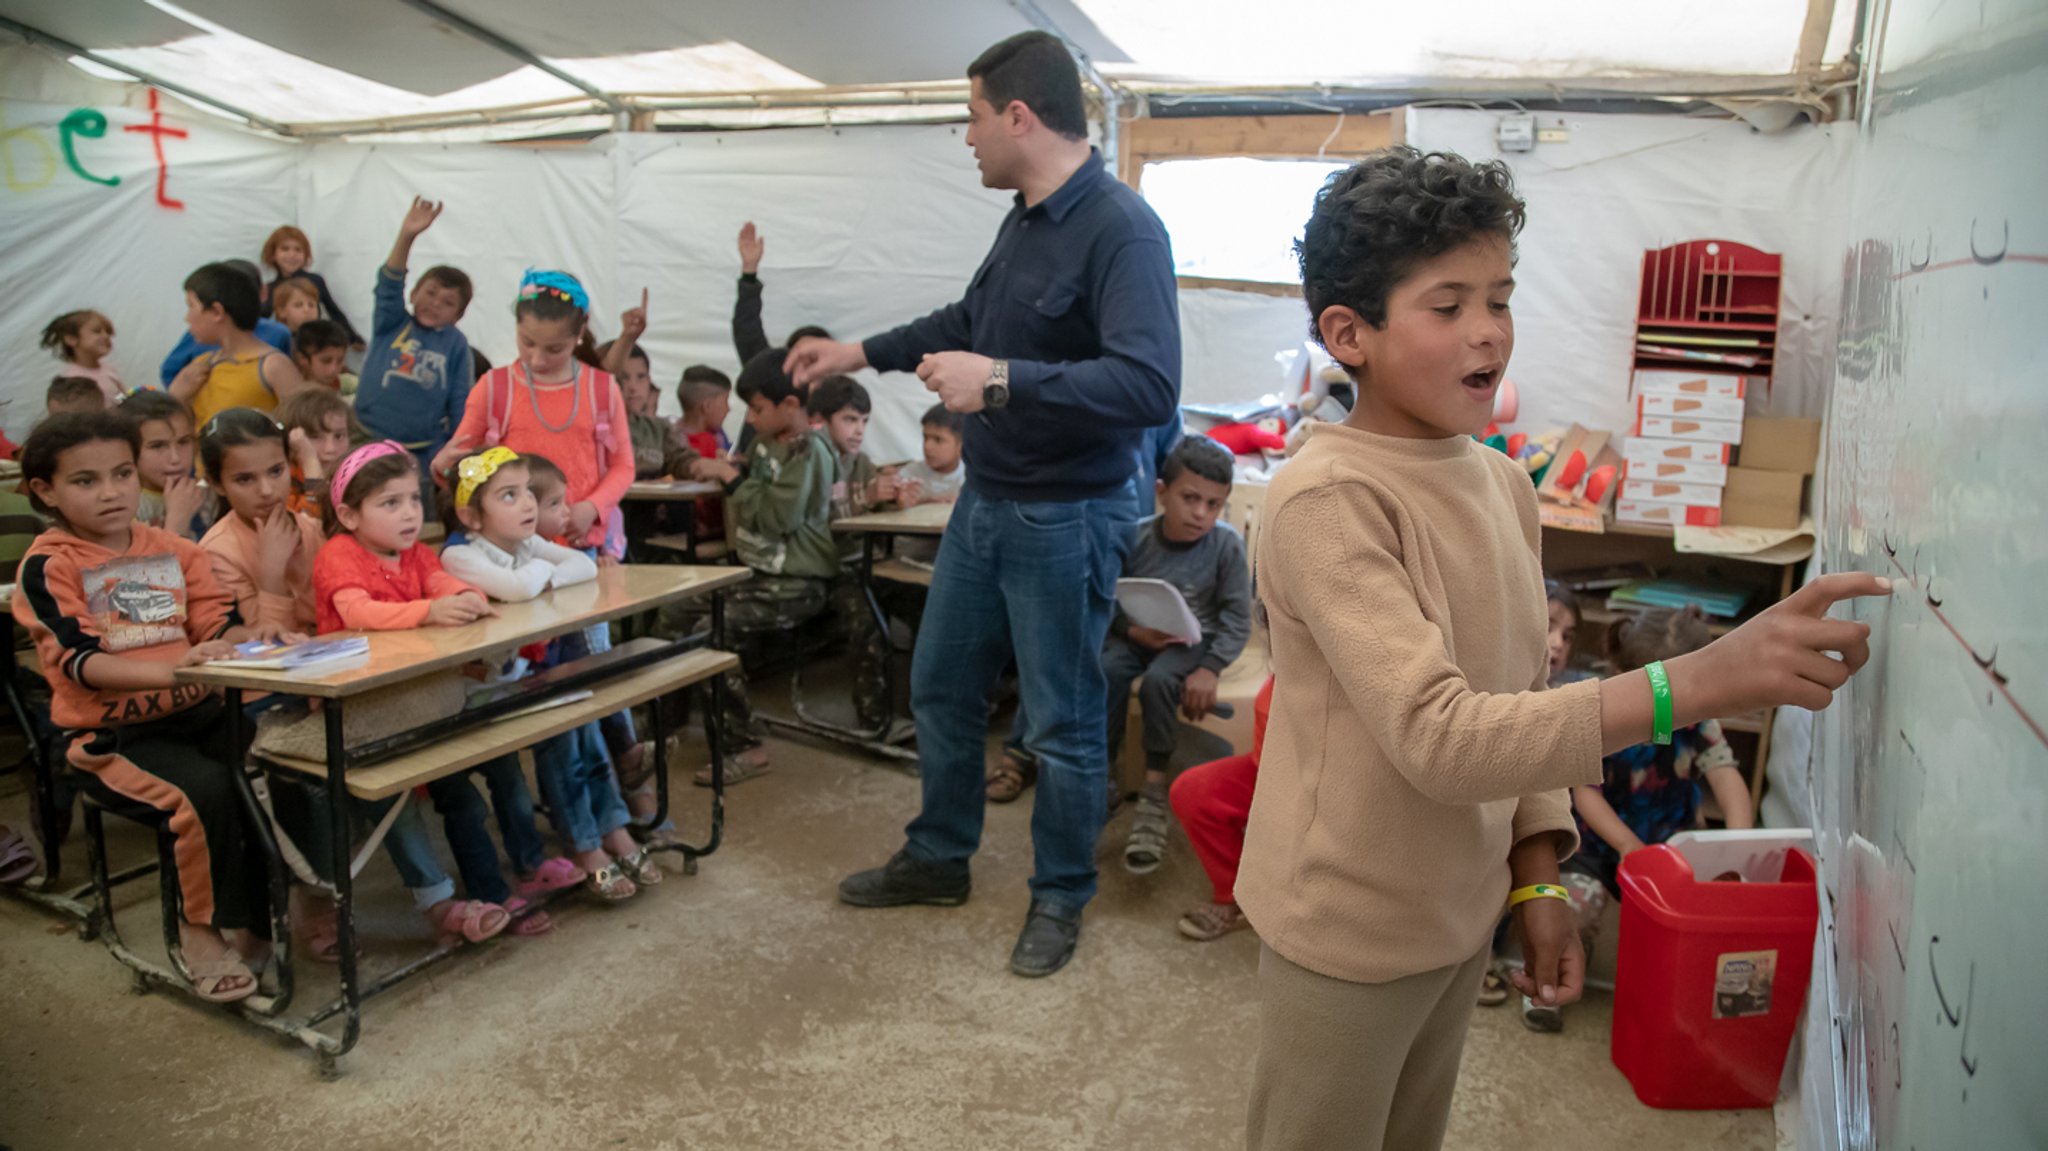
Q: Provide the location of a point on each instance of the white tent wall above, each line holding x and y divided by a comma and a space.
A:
71, 243
1623, 184
866, 226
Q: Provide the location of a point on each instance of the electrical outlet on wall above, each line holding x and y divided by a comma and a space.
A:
1516, 133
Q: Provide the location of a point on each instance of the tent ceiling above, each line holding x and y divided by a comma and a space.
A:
316, 66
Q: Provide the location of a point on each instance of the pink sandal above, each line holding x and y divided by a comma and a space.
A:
470, 919
557, 874
528, 919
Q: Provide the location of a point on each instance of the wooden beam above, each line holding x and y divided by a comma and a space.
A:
1255, 287
1813, 35
1275, 137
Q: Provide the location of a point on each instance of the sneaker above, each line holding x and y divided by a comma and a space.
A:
905, 880
1046, 943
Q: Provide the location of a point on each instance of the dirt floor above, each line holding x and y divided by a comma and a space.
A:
744, 1007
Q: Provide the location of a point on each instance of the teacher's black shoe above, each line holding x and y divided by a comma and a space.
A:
905, 880
1046, 943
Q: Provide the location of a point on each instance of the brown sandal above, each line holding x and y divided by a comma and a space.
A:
1010, 776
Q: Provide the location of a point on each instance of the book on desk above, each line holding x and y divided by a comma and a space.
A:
330, 654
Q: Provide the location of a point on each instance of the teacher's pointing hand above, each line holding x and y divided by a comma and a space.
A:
957, 378
815, 358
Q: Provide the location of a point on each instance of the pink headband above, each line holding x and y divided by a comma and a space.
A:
355, 461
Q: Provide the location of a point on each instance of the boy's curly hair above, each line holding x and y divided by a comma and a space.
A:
1376, 220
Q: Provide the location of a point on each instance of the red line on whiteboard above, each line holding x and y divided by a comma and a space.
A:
1997, 682
1969, 262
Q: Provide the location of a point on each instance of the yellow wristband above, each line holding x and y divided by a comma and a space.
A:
1523, 895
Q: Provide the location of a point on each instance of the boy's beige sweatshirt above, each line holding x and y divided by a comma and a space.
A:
1410, 746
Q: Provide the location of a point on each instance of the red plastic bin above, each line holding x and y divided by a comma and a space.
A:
1710, 980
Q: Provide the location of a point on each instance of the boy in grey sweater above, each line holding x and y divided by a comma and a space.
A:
1185, 546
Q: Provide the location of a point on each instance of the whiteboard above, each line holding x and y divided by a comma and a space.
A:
1931, 772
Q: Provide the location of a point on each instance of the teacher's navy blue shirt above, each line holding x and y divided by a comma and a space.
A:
1078, 295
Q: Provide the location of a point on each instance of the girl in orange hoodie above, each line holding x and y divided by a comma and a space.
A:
115, 608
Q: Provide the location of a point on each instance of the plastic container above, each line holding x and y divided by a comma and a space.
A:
1712, 974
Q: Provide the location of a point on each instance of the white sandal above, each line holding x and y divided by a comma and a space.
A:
209, 974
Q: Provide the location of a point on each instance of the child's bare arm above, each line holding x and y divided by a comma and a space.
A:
1733, 795
105, 672
1553, 958
1600, 817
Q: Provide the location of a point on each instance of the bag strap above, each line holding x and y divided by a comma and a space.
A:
601, 409
497, 406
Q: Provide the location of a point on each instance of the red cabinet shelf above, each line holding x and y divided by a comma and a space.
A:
1710, 286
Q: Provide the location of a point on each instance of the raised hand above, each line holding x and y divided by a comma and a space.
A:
633, 322
752, 246
420, 216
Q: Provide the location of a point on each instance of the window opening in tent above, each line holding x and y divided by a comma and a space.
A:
1235, 218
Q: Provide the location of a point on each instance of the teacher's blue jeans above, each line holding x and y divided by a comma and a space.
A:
1039, 580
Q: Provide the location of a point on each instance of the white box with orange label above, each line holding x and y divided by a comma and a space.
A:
1630, 511
1693, 407
1698, 495
1689, 428
1676, 472
1647, 450
1653, 382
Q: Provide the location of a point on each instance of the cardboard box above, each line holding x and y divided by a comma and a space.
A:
1776, 445
1629, 511
1688, 428
1657, 382
1672, 472
1644, 450
1659, 491
1755, 498
1697, 407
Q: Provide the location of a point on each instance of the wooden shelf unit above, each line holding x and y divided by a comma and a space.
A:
1709, 288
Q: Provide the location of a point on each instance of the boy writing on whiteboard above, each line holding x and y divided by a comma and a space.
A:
1204, 560
1414, 774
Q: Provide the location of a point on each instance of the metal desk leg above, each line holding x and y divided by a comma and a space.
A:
344, 894
713, 717
874, 741
273, 859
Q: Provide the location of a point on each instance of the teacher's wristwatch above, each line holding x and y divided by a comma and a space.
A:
996, 393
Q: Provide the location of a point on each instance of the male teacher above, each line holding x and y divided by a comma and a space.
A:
1065, 348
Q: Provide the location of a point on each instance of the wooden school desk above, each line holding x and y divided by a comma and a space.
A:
923, 520
646, 495
630, 674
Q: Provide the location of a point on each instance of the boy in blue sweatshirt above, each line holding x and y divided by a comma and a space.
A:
417, 373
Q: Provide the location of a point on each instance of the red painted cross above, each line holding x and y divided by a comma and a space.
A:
157, 131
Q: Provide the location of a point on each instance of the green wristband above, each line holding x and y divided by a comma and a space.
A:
1660, 703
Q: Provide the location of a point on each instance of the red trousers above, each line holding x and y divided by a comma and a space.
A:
1213, 801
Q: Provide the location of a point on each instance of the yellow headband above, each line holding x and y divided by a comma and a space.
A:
475, 471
